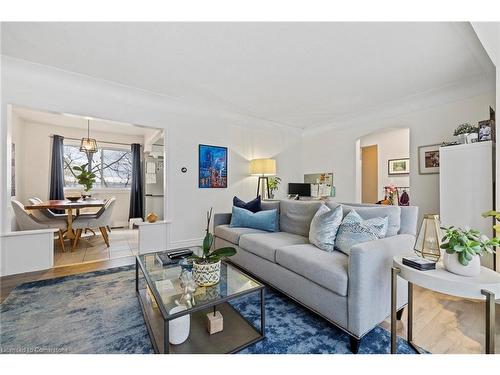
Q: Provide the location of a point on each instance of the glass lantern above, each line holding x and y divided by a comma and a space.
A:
429, 238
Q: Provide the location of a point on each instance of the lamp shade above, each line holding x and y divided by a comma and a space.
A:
263, 167
429, 238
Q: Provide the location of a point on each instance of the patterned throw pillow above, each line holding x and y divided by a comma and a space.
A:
324, 226
354, 230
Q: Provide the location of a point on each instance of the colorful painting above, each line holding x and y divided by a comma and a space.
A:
212, 167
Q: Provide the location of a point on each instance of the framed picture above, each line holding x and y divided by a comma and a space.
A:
428, 159
486, 130
212, 167
397, 167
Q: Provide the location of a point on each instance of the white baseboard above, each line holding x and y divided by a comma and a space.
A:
185, 243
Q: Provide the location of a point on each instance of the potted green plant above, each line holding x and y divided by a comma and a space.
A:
85, 177
206, 267
273, 183
465, 133
463, 247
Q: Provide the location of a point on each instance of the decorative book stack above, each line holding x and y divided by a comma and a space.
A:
418, 263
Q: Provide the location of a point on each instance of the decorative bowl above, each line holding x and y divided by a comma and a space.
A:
73, 199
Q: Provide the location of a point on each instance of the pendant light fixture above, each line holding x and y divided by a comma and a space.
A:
88, 145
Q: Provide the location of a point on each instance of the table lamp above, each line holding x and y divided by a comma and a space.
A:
429, 238
263, 168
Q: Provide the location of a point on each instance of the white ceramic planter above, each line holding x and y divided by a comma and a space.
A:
451, 264
206, 274
471, 137
178, 329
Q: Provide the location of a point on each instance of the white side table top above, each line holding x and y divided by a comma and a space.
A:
442, 281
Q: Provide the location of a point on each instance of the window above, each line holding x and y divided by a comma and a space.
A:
113, 167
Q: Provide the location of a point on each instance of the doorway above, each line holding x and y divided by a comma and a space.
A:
377, 156
111, 163
369, 174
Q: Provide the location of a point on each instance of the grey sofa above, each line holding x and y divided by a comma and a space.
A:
351, 292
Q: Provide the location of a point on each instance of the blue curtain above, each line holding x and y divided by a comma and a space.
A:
57, 170
136, 198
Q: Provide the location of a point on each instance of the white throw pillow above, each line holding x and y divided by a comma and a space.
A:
324, 226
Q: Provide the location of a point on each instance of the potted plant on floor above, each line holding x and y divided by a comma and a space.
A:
206, 268
463, 247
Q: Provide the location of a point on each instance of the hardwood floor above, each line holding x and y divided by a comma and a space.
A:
442, 324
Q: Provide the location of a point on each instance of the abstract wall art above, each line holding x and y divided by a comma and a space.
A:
212, 167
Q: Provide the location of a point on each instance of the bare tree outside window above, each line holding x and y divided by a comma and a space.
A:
114, 166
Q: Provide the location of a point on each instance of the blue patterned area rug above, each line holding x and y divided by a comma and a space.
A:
98, 312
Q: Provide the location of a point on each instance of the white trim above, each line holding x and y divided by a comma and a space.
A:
28, 232
155, 223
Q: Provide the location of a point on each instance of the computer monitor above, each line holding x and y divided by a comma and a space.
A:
302, 190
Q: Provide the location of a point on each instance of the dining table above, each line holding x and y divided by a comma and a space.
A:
70, 207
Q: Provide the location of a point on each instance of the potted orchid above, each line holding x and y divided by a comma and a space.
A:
206, 267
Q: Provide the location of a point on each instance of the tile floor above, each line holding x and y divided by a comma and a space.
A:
91, 248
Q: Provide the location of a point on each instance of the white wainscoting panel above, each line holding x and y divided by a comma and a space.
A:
153, 236
26, 251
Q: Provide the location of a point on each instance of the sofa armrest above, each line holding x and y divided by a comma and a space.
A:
221, 219
369, 290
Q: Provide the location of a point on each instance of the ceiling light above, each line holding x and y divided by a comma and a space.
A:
88, 145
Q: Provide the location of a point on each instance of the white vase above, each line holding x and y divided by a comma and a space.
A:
451, 264
178, 329
462, 138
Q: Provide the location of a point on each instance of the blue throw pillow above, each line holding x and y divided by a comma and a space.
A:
263, 220
354, 230
254, 205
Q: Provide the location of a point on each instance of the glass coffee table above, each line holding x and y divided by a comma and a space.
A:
158, 288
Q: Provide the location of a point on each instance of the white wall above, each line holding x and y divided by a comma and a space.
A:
44, 88
335, 149
489, 35
392, 144
32, 171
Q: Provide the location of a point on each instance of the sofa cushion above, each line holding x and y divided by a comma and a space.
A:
264, 220
233, 234
355, 230
265, 244
328, 269
296, 216
270, 205
324, 226
393, 214
253, 205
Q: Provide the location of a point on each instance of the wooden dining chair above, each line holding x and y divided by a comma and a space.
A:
26, 221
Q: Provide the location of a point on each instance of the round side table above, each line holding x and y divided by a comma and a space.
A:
483, 287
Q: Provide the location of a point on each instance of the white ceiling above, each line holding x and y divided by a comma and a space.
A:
80, 122
302, 75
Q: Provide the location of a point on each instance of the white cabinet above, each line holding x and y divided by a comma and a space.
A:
466, 187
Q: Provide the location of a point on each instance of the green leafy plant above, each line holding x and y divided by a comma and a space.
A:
210, 256
85, 177
465, 128
273, 183
494, 214
467, 243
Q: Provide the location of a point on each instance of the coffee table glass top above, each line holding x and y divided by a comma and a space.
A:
166, 284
